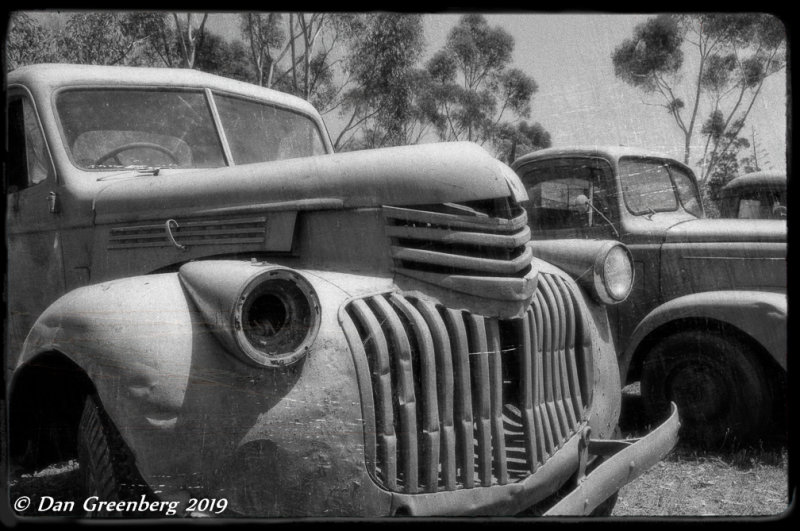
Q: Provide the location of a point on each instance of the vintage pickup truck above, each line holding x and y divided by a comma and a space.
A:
705, 323
206, 302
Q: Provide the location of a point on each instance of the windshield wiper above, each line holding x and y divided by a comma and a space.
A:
140, 169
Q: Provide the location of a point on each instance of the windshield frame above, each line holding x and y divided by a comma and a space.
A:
668, 164
208, 95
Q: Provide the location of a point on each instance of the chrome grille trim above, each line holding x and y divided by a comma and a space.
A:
458, 239
461, 400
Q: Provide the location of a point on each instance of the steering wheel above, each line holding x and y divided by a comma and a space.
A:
135, 145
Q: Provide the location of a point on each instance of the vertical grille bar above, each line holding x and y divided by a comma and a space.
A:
428, 400
405, 393
463, 392
366, 386
523, 329
541, 405
549, 369
572, 362
566, 335
557, 321
496, 400
376, 345
444, 367
480, 358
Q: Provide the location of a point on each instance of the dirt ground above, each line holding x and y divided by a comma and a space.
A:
751, 481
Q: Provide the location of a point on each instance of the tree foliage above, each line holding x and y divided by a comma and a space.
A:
473, 91
733, 53
380, 64
265, 36
27, 42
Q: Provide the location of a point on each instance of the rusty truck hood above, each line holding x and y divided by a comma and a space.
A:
408, 175
727, 230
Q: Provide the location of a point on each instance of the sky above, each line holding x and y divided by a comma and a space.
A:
580, 101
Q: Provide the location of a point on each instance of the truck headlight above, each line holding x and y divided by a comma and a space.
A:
614, 274
275, 318
265, 315
603, 267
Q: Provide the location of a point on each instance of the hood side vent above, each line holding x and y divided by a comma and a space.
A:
190, 233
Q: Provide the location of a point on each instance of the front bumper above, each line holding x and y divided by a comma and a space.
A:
624, 461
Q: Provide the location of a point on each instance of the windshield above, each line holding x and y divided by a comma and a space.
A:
258, 132
114, 128
117, 128
650, 186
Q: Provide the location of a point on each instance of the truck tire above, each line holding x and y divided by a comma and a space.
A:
107, 466
719, 386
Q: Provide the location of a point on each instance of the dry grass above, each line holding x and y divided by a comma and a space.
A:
750, 482
744, 481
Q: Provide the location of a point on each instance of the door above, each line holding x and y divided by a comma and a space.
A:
35, 266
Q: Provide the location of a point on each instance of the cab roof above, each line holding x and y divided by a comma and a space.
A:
55, 76
607, 152
760, 179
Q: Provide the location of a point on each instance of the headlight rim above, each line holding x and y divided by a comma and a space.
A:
255, 287
601, 286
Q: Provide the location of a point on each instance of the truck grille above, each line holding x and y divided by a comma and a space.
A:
454, 400
479, 238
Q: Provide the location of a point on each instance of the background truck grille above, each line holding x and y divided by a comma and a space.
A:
457, 400
483, 238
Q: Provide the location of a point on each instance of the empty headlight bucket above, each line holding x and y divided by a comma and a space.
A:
613, 274
276, 318
265, 315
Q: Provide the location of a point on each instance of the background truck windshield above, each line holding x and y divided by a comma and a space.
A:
653, 186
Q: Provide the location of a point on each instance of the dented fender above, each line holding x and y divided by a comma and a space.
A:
198, 420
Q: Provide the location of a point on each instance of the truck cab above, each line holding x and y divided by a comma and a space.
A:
713, 290
757, 195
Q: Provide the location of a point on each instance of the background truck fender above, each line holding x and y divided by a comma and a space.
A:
761, 315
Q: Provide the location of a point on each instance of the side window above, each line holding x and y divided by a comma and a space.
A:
556, 190
28, 160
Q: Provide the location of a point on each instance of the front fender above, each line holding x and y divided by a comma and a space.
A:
759, 314
199, 421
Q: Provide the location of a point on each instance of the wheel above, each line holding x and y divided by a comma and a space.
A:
717, 383
107, 466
